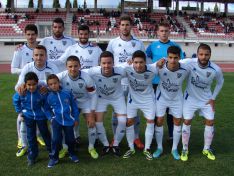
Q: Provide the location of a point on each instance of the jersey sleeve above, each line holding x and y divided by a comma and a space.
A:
17, 103
15, 63
64, 56
153, 67
109, 47
219, 83
21, 77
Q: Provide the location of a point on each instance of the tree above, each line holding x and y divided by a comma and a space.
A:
30, 4
8, 5
68, 4
216, 9
75, 4
56, 4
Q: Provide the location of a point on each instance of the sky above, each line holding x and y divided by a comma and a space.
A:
114, 4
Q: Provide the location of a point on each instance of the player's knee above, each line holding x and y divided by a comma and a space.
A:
159, 121
187, 122
209, 122
130, 122
177, 121
150, 121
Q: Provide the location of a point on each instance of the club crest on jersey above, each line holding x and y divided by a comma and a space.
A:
146, 76
133, 44
80, 85
115, 80
179, 75
64, 43
208, 74
90, 51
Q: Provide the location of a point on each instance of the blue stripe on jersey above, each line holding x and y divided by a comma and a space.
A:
130, 99
181, 68
39, 68
186, 96
210, 66
159, 96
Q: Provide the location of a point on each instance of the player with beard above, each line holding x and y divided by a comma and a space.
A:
122, 48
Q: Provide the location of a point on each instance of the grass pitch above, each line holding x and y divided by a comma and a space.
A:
196, 165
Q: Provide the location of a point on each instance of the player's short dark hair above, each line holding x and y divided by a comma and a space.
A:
204, 47
83, 28
52, 76
30, 76
41, 47
31, 27
174, 50
163, 24
106, 54
58, 20
125, 17
140, 54
73, 58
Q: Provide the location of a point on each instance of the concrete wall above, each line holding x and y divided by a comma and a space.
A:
222, 52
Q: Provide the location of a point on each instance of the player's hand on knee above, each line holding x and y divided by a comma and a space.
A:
130, 122
212, 104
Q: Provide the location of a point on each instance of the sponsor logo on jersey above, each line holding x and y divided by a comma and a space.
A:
106, 90
55, 54
197, 82
124, 56
137, 86
169, 86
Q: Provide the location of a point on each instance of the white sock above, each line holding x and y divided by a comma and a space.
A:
130, 136
114, 123
208, 136
137, 126
120, 130
176, 136
23, 134
149, 132
76, 131
92, 137
101, 132
185, 136
18, 122
159, 136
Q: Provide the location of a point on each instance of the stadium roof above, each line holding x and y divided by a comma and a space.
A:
221, 1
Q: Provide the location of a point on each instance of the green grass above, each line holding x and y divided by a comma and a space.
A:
197, 164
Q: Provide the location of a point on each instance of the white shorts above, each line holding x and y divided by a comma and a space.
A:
84, 106
118, 105
175, 107
148, 108
190, 106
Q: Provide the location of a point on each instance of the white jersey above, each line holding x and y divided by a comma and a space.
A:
42, 74
108, 87
140, 84
200, 80
21, 57
56, 47
87, 54
123, 50
77, 86
170, 85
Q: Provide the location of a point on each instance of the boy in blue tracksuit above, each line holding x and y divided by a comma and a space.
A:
30, 105
63, 113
